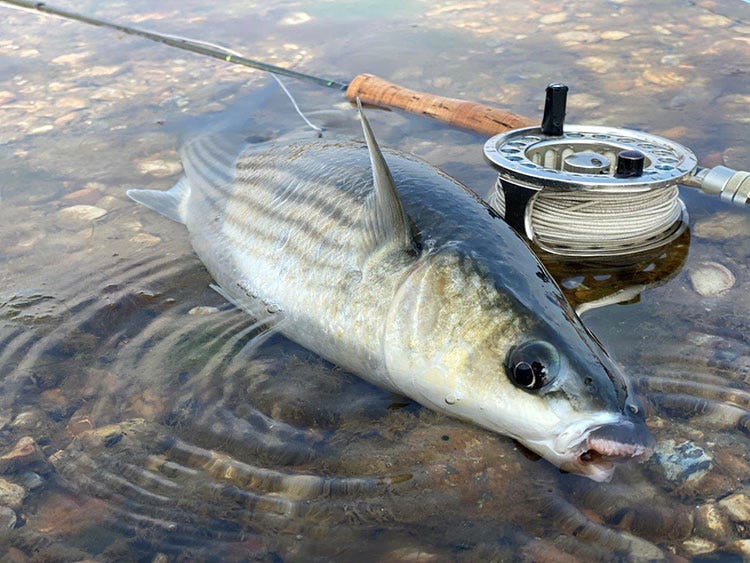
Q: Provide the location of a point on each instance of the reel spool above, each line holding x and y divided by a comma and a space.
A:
589, 191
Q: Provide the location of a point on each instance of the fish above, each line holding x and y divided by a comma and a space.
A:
389, 268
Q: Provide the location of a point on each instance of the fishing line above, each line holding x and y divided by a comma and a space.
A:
233, 53
593, 222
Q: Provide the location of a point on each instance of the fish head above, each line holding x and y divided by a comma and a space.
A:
579, 411
518, 362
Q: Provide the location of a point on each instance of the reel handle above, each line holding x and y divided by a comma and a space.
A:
461, 113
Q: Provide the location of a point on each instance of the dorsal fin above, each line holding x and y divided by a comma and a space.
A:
385, 219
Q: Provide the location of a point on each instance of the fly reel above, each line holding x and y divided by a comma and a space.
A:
586, 191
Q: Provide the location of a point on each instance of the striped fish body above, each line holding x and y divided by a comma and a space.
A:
394, 271
285, 228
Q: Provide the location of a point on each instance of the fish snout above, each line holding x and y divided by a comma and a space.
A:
628, 439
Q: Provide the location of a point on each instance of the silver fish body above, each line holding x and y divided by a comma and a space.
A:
394, 271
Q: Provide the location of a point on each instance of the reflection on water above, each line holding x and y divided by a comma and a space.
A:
141, 416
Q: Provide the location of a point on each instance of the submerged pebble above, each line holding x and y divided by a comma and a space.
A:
11, 495
711, 278
723, 226
203, 310
742, 547
160, 167
7, 518
145, 239
682, 462
79, 216
84, 196
737, 506
614, 35
295, 18
26, 452
711, 522
698, 546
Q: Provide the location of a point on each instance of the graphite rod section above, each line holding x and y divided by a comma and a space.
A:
179, 42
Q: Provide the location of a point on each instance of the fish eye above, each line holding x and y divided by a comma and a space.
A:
532, 365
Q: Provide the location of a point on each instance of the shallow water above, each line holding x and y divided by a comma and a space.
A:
163, 428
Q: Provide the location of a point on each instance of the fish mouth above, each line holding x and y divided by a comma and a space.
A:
614, 443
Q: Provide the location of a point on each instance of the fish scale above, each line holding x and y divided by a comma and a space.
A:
389, 268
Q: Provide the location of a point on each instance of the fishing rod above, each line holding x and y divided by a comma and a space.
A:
368, 88
574, 190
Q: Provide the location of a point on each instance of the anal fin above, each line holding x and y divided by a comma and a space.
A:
170, 203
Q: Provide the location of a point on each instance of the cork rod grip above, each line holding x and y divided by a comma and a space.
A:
469, 115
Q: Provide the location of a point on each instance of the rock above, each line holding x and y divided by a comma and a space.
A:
84, 196
696, 546
145, 239
711, 278
203, 310
31, 480
556, 17
711, 21
25, 453
737, 506
576, 37
415, 554
99, 71
296, 18
7, 518
80, 423
614, 35
109, 202
41, 129
597, 64
584, 101
723, 226
11, 495
70, 58
742, 547
711, 523
69, 102
79, 216
668, 78
63, 515
160, 167
682, 463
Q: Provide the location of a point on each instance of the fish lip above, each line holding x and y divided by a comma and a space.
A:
618, 442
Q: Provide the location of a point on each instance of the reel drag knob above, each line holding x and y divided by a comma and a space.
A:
630, 164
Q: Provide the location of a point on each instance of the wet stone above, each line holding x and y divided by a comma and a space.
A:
614, 35
84, 196
31, 480
697, 546
723, 226
711, 278
203, 310
7, 518
711, 522
682, 463
79, 216
557, 17
296, 18
11, 494
25, 453
160, 167
737, 506
145, 239
742, 547
668, 78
